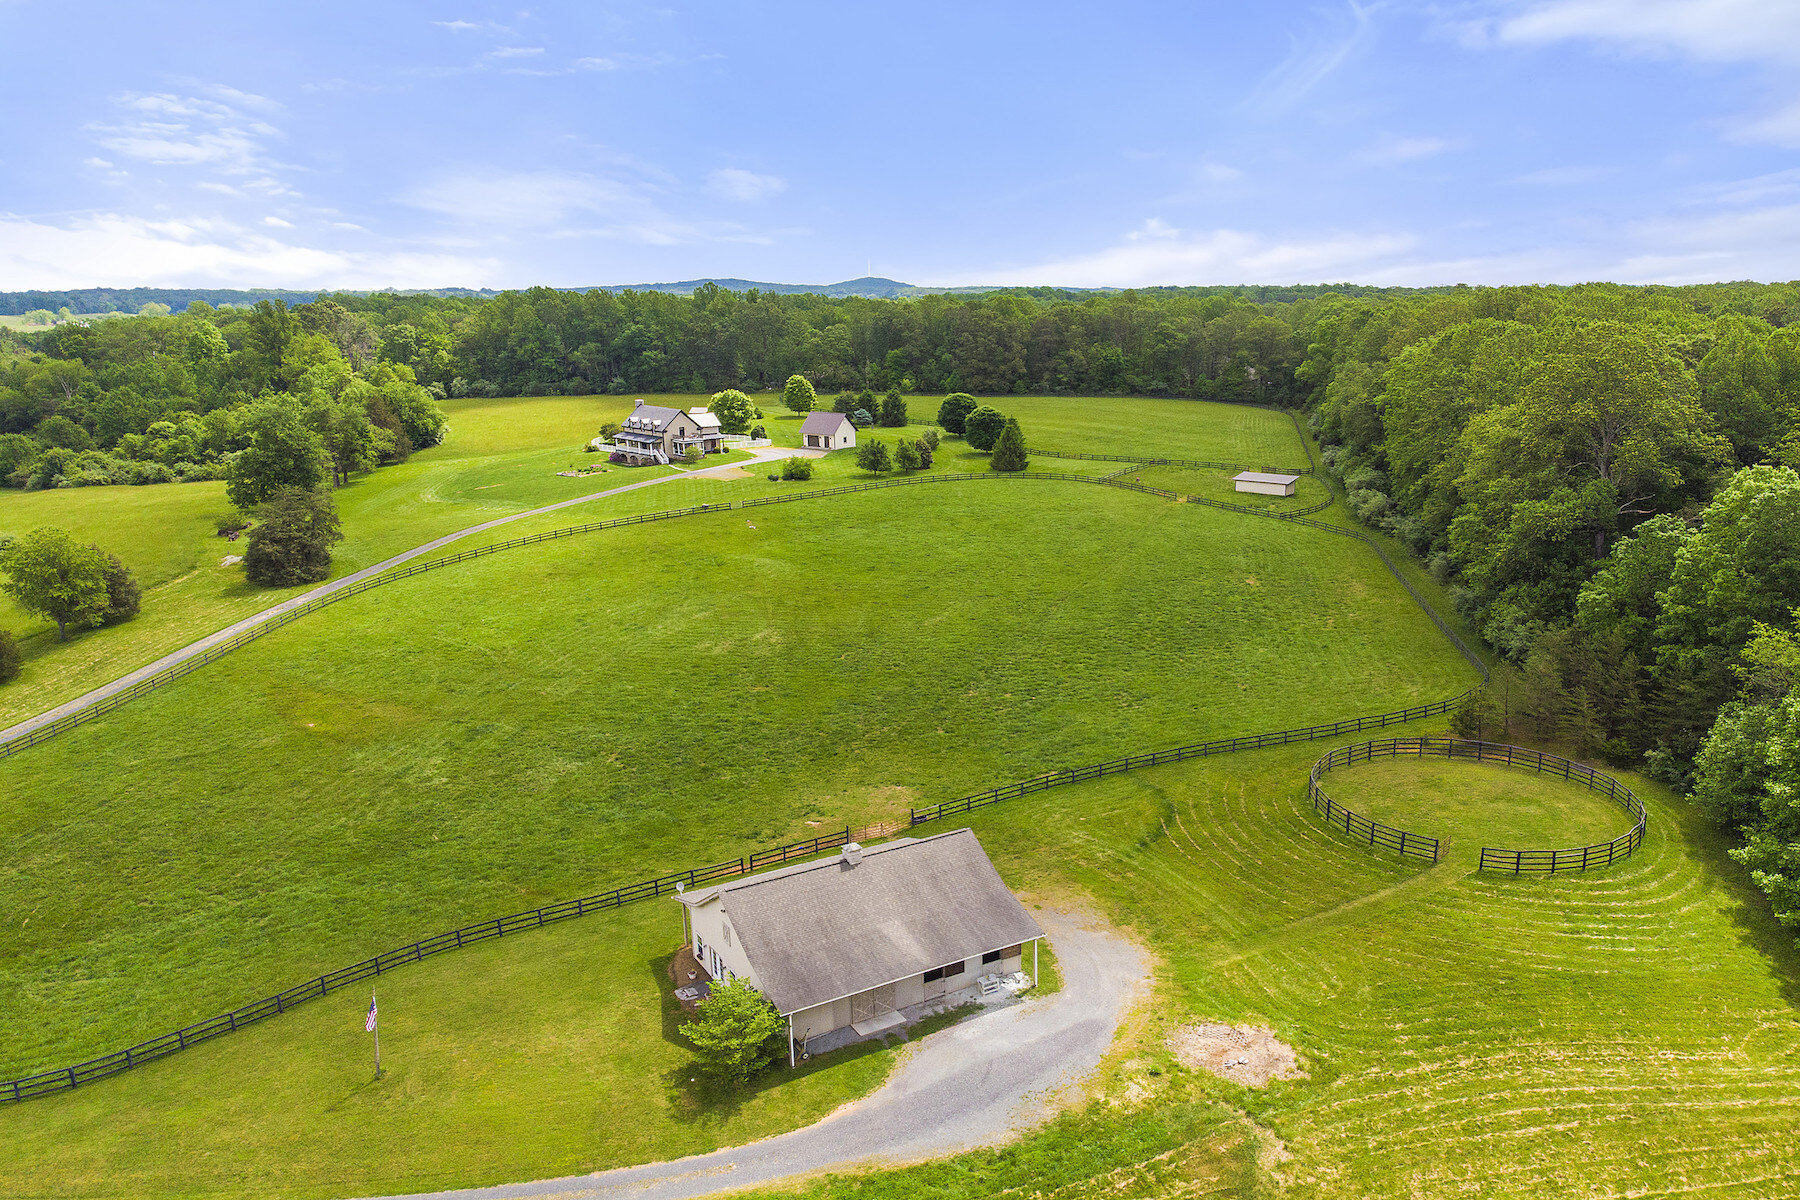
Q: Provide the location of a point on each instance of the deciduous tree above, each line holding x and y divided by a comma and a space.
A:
954, 410
734, 1034
292, 539
798, 394
49, 573
982, 427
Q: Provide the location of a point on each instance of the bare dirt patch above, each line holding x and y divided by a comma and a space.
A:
733, 473
1247, 1054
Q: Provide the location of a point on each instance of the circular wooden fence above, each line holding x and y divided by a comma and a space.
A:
1516, 862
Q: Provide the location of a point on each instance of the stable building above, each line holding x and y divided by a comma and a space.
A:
851, 941
1265, 484
827, 431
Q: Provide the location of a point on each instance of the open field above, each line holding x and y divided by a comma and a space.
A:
1622, 1033
499, 457
546, 722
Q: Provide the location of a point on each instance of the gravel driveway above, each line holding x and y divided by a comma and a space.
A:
970, 1085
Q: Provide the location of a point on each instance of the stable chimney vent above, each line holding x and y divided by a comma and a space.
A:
852, 853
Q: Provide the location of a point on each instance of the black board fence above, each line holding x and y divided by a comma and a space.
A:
1355, 825
65, 1078
1516, 862
1140, 460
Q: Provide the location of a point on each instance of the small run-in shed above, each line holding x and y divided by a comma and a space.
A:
1265, 484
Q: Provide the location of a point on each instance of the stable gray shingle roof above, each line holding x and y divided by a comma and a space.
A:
823, 422
824, 930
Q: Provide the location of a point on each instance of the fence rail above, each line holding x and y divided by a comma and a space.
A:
64, 1078
1200, 464
1518, 862
1354, 824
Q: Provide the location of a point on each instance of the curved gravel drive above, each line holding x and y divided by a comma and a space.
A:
973, 1084
762, 454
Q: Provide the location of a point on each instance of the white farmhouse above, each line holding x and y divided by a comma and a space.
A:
1265, 484
827, 431
850, 941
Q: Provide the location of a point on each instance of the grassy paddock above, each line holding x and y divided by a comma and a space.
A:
641, 697
499, 457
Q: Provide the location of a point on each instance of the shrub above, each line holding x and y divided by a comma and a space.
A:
759, 432
796, 468
9, 658
982, 427
861, 418
122, 593
954, 410
735, 1031
1009, 448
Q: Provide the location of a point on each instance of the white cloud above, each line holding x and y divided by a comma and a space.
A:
1214, 172
278, 223
1560, 176
735, 184
115, 250
1156, 254
459, 26
488, 206
630, 62
1392, 151
96, 162
1760, 32
169, 130
1708, 30
515, 51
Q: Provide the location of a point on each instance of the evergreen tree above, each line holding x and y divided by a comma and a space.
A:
893, 409
954, 410
1009, 449
122, 593
906, 455
291, 542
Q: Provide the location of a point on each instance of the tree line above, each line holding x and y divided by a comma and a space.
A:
1604, 480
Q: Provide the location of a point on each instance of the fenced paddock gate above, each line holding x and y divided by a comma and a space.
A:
1516, 862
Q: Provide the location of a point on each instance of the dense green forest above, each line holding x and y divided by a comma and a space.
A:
1602, 476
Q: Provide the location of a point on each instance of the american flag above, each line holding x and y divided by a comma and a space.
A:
369, 1025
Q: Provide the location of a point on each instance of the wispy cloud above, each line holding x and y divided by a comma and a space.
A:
119, 250
482, 206
1759, 32
515, 51
1313, 56
1392, 150
732, 183
167, 129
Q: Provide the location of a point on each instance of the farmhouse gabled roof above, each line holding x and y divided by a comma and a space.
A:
823, 422
824, 930
651, 416
1262, 477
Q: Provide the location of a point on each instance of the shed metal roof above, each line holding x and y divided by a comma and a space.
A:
1263, 477
824, 930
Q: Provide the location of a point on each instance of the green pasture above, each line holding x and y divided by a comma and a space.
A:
556, 719
1467, 805
499, 457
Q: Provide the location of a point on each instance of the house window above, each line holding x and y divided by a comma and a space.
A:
699, 951
992, 956
943, 972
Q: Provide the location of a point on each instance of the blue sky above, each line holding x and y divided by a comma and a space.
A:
376, 144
